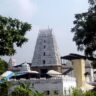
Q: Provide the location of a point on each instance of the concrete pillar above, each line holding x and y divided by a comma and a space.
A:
79, 71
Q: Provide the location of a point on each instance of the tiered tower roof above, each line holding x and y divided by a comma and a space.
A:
46, 51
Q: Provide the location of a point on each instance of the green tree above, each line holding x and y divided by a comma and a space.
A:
90, 93
12, 32
36, 93
24, 90
85, 30
3, 66
77, 92
4, 87
92, 2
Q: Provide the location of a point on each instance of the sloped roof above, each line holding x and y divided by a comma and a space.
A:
73, 56
53, 72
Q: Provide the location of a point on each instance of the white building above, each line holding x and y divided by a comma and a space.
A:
47, 74
58, 86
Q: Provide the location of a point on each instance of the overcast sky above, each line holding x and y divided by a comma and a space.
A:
57, 14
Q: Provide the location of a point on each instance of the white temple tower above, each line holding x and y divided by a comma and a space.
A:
46, 55
11, 63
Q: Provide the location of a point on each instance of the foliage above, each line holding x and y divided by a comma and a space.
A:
36, 93
77, 92
89, 93
3, 66
24, 90
4, 86
3, 89
92, 2
12, 32
93, 64
85, 31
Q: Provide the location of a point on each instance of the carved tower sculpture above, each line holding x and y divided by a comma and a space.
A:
46, 55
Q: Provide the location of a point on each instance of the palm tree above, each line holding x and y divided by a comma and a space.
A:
22, 90
36, 93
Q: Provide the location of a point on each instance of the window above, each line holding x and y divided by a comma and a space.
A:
44, 54
47, 92
44, 41
44, 61
44, 71
44, 46
65, 92
55, 92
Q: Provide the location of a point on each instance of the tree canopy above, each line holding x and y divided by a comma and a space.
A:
3, 66
85, 30
12, 32
92, 2
4, 87
24, 89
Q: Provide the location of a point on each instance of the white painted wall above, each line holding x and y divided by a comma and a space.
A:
56, 83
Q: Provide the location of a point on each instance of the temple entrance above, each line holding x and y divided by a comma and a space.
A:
43, 71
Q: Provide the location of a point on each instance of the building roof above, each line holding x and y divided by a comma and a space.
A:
53, 72
73, 56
